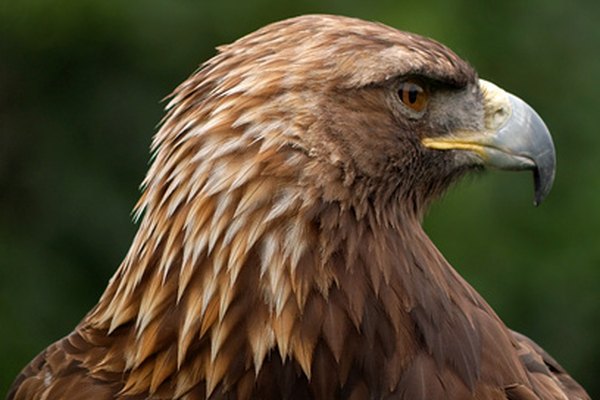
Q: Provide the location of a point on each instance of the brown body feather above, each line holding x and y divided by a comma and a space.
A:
280, 254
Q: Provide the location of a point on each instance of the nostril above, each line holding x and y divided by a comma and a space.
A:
500, 115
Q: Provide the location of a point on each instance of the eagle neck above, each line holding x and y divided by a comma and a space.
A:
427, 304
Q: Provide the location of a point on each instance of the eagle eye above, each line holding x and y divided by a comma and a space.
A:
413, 95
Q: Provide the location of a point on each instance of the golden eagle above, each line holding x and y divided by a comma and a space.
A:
280, 253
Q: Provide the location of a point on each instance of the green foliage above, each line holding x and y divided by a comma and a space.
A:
80, 85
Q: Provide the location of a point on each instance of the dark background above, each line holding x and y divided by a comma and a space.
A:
80, 90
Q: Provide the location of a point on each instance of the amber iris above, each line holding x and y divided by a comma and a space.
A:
413, 95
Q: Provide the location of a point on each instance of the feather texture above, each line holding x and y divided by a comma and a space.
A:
280, 252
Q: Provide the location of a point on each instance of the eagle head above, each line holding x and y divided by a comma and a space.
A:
359, 113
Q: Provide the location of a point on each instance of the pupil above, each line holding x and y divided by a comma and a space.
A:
412, 95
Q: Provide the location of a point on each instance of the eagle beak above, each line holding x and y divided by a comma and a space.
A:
514, 138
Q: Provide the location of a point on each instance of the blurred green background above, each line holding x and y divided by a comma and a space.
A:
80, 90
